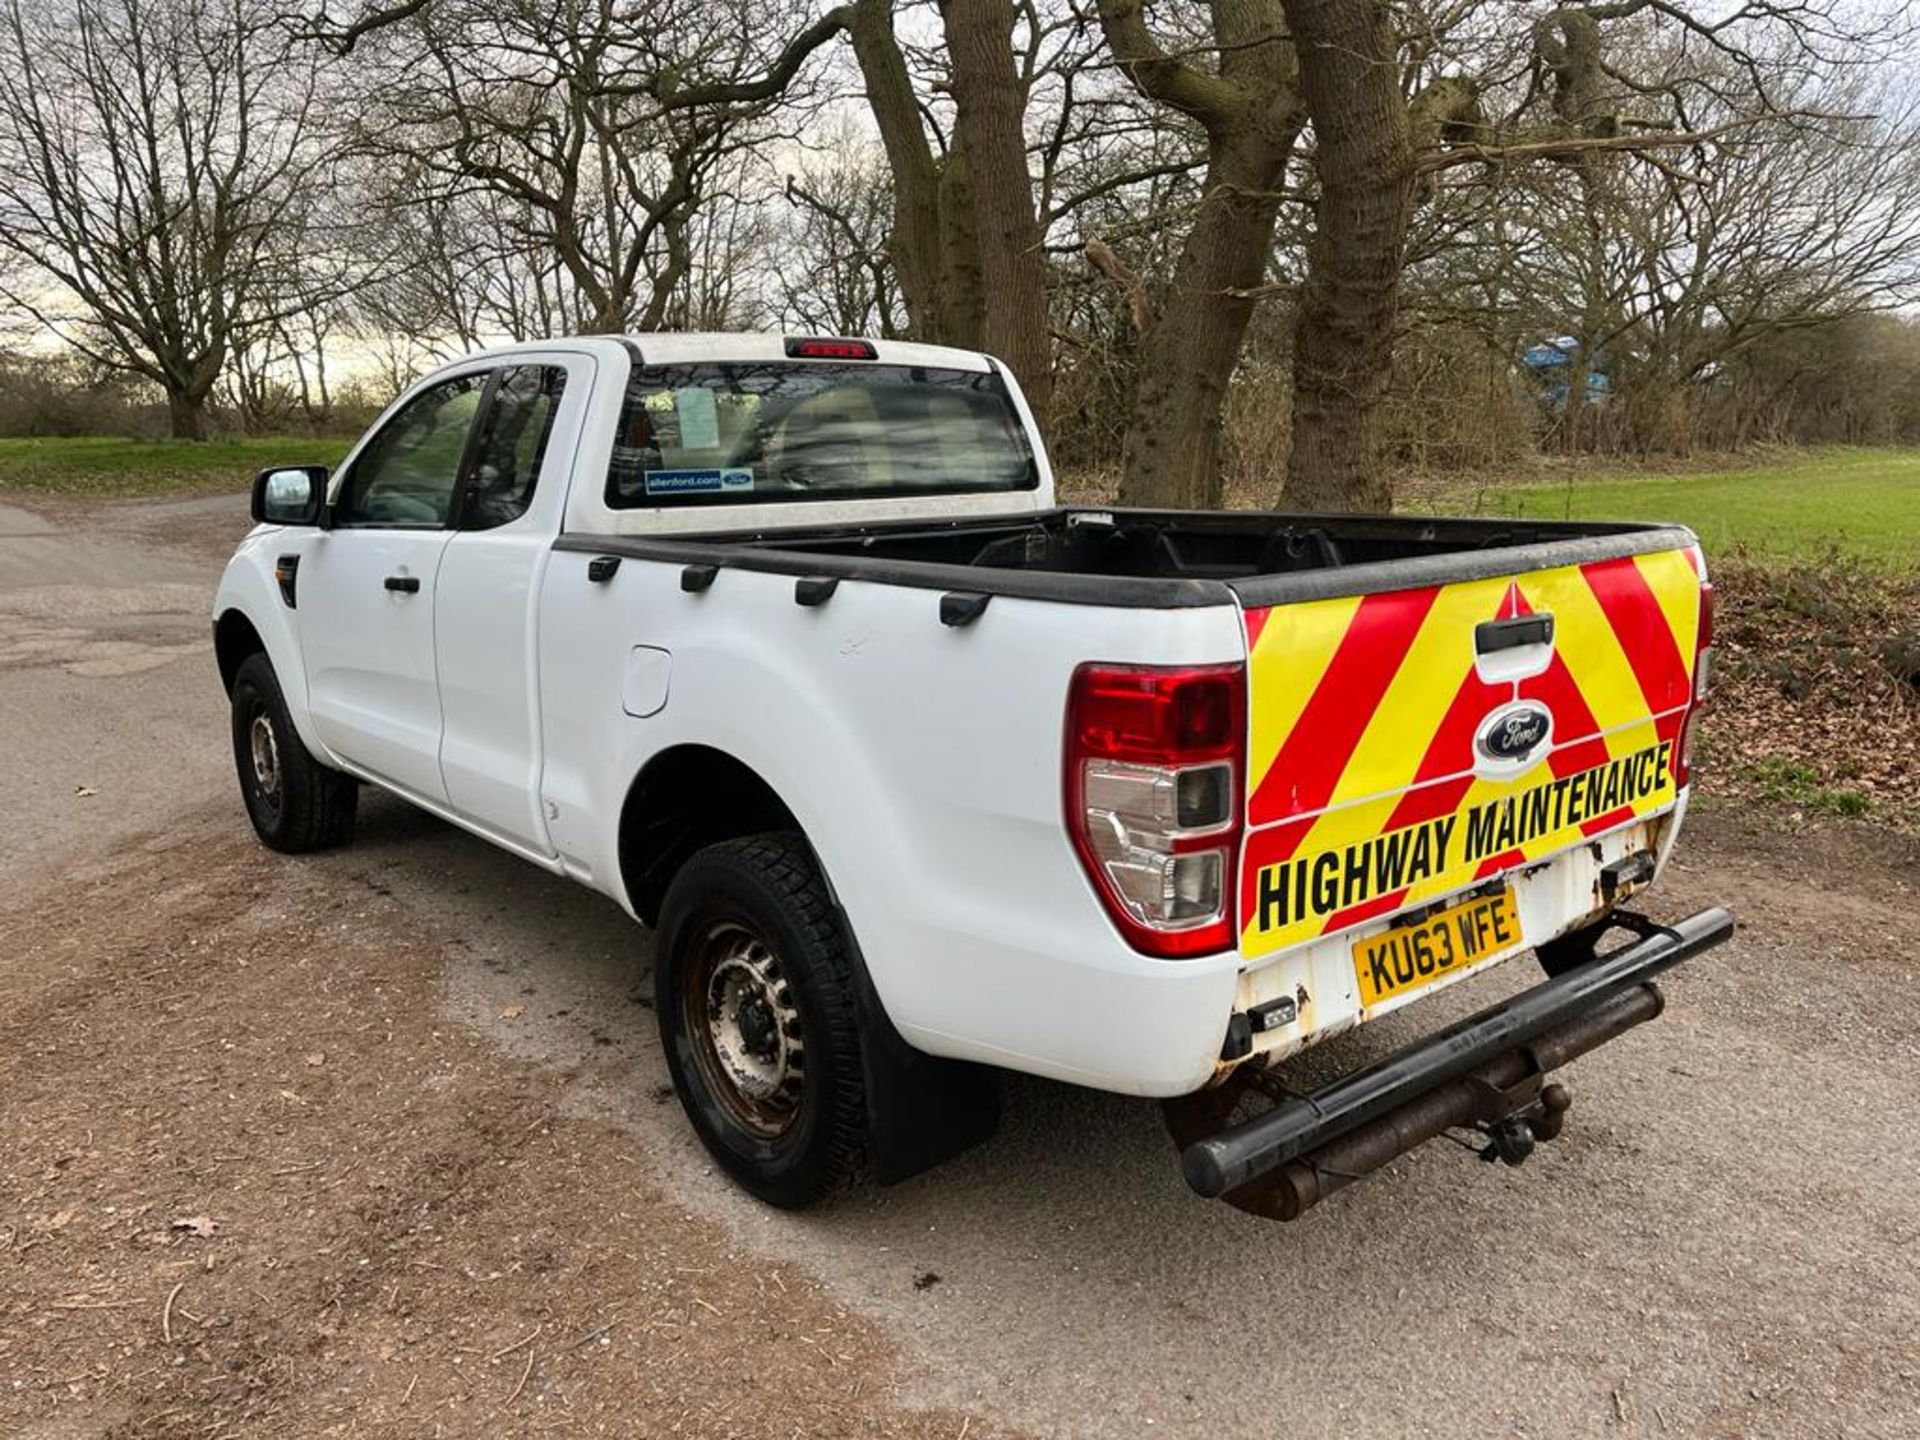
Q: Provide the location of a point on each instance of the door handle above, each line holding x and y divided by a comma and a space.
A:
405, 584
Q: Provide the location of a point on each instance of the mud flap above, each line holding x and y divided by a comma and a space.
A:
922, 1110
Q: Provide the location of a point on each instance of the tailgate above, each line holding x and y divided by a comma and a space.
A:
1406, 744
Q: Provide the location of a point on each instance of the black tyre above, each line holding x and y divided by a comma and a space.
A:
754, 989
295, 802
1571, 950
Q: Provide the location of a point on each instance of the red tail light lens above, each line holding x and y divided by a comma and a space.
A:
1702, 667
810, 347
1154, 764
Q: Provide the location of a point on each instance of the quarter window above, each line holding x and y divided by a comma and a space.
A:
513, 441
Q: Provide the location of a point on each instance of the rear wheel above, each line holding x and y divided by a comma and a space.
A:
296, 803
755, 995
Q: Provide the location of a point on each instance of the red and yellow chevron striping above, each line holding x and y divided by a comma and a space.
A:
1365, 794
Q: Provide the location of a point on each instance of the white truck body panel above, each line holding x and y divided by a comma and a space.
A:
372, 679
924, 765
520, 699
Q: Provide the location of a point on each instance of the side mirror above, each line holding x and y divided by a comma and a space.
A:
289, 494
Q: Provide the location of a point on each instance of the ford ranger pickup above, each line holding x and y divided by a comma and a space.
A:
785, 644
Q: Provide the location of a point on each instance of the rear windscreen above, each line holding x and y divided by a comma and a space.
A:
805, 430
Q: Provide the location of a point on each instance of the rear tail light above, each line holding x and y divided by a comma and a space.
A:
1702, 667
1154, 761
1703, 645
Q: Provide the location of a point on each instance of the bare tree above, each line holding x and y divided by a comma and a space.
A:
1367, 133
730, 282
965, 242
990, 108
1382, 137
1820, 221
541, 131
283, 373
834, 272
159, 168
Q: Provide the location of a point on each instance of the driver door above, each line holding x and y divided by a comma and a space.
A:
367, 590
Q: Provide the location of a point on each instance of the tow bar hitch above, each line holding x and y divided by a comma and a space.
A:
1511, 1139
1517, 1117
1487, 1072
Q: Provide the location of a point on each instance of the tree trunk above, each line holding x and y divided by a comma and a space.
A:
932, 243
1574, 409
990, 130
1251, 112
957, 311
187, 415
1343, 347
1190, 348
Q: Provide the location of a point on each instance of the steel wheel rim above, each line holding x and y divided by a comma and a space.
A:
263, 748
745, 1028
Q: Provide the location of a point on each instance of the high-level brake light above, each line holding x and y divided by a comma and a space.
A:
811, 347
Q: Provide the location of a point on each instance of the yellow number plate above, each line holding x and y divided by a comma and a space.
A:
1409, 956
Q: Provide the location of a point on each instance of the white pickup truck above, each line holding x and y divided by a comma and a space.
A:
785, 644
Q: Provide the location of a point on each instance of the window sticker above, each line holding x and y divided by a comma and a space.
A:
699, 418
692, 482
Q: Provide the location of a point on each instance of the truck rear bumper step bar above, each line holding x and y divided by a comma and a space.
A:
1554, 1021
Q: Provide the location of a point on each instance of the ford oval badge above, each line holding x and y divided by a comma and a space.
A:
1514, 735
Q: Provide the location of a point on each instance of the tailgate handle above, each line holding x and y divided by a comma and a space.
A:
1491, 636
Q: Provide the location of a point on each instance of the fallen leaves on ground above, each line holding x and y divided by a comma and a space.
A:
1805, 709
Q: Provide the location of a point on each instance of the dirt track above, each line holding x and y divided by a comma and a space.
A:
408, 1097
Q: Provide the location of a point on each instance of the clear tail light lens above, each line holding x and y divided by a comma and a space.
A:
1702, 668
1154, 757
1703, 645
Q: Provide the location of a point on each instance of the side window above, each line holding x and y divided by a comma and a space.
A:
513, 440
408, 471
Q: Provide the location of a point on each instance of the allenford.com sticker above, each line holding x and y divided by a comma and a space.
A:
694, 482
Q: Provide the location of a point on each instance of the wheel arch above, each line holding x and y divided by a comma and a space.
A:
235, 637
921, 1109
250, 618
684, 798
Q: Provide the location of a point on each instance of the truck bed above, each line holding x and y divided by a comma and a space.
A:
1160, 558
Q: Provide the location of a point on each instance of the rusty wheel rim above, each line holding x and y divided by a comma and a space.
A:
745, 1028
263, 750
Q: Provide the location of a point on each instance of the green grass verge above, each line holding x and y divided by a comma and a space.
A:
1810, 507
105, 466
1794, 782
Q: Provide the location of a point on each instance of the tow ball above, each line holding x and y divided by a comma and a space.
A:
1511, 1138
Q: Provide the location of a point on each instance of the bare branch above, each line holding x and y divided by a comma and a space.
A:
769, 86
1566, 147
1207, 98
1139, 309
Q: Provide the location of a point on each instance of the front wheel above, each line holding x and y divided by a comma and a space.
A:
295, 802
755, 995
